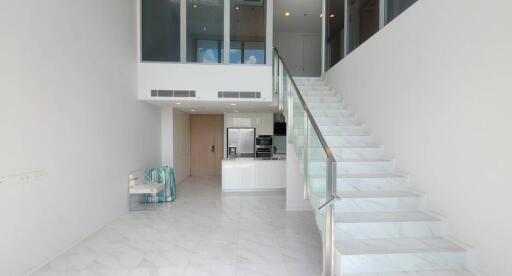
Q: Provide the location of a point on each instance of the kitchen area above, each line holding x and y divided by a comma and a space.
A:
255, 152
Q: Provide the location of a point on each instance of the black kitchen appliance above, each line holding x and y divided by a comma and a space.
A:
264, 146
280, 129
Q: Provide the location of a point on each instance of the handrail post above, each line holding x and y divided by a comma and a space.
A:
329, 246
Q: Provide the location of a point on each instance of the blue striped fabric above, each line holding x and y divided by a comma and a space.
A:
163, 175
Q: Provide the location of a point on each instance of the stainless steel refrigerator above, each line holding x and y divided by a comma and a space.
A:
240, 142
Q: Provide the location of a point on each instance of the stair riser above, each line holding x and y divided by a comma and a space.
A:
326, 105
349, 141
359, 153
354, 205
341, 113
381, 263
382, 204
328, 121
385, 230
373, 184
350, 185
336, 131
370, 167
338, 141
314, 99
348, 153
318, 92
343, 130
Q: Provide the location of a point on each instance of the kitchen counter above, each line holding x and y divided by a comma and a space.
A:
275, 158
254, 174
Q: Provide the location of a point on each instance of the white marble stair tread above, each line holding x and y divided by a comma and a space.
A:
371, 175
378, 194
396, 246
371, 217
362, 160
418, 273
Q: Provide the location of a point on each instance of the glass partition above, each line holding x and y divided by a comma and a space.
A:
205, 31
247, 32
363, 21
160, 38
396, 7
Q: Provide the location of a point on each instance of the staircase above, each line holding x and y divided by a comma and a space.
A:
379, 227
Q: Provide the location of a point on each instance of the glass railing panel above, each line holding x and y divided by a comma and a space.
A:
286, 92
298, 128
317, 169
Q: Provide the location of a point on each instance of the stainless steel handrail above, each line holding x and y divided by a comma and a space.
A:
331, 181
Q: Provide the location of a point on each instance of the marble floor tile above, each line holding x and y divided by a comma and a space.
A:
204, 232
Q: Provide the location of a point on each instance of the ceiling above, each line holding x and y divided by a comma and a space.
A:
297, 21
219, 107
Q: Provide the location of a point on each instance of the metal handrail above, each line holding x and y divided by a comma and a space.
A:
331, 181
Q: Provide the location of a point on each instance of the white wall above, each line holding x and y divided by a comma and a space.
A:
167, 140
67, 106
206, 79
435, 87
181, 144
291, 48
263, 122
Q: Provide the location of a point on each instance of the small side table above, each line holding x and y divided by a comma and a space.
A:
147, 188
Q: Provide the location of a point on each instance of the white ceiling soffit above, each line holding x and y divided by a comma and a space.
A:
218, 107
298, 22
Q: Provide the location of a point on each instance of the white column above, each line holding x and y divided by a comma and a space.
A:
382, 13
323, 36
167, 136
183, 30
346, 41
227, 30
270, 31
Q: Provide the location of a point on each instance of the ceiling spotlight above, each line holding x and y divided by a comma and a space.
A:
332, 15
193, 110
205, 28
194, 6
237, 8
287, 13
178, 103
233, 104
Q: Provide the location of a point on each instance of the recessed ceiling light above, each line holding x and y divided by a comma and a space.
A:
237, 8
193, 110
287, 13
205, 28
194, 6
236, 111
233, 104
178, 103
332, 15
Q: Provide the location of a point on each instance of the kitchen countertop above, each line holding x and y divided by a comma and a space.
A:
275, 158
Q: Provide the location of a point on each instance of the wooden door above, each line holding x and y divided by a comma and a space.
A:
206, 144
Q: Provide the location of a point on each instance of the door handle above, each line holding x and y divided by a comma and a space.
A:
212, 149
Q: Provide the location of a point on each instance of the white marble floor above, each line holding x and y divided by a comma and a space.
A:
204, 232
